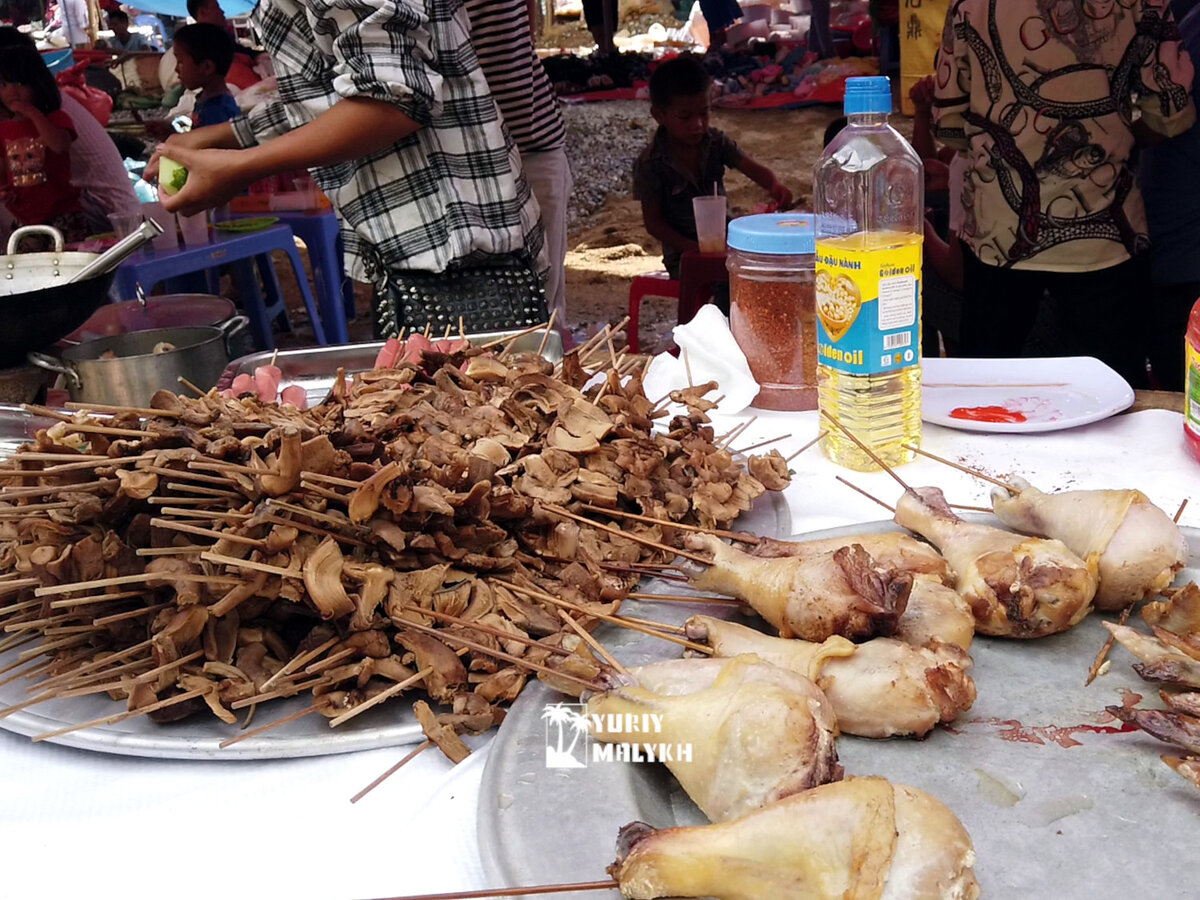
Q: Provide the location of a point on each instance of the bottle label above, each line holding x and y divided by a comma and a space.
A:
1192, 397
868, 305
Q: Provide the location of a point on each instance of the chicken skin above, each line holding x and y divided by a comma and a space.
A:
858, 839
838, 591
1016, 586
756, 732
1138, 547
880, 688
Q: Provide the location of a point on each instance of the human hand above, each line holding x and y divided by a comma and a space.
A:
922, 94
782, 196
214, 177
21, 109
937, 175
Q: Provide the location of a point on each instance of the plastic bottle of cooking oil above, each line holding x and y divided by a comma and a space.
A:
869, 200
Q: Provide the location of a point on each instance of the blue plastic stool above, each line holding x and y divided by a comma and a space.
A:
242, 252
321, 233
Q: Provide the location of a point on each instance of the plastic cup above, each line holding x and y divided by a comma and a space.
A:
194, 229
124, 224
710, 223
169, 239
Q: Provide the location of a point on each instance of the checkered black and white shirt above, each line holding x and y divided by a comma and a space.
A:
448, 194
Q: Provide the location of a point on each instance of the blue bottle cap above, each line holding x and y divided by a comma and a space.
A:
778, 234
871, 94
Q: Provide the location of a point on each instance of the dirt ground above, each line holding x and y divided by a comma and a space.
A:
612, 247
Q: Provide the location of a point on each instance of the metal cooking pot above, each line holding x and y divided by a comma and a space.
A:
40, 300
136, 372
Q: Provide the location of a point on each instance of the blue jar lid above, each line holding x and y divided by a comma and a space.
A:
870, 94
782, 234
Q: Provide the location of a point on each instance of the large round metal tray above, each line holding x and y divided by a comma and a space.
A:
1058, 802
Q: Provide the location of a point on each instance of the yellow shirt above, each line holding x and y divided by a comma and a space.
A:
1043, 100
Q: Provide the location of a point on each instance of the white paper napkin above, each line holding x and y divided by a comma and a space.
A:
706, 349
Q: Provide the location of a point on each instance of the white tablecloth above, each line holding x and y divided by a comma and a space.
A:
79, 824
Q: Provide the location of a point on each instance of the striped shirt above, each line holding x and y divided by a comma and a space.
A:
450, 194
504, 44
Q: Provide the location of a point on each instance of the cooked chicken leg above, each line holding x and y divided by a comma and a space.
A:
1139, 548
839, 591
859, 839
892, 549
756, 732
1016, 586
934, 612
879, 688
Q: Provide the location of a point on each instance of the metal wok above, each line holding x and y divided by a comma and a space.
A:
40, 302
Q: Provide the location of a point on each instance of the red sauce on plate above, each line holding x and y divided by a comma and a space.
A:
987, 414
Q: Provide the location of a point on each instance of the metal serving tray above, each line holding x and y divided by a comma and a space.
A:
1059, 801
315, 368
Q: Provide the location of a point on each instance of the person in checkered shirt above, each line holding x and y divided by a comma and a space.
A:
384, 101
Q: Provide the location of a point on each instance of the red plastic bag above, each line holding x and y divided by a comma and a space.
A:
71, 83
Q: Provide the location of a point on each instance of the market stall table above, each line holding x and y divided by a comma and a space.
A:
241, 250
78, 823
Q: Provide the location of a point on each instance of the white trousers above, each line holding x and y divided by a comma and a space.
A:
549, 177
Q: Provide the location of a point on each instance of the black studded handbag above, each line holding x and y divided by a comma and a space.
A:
493, 296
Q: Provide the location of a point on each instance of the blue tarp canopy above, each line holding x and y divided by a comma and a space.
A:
179, 7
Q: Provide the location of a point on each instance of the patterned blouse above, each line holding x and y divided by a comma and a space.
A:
1045, 100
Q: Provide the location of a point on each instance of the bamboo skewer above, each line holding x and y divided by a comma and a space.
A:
324, 492
132, 579
872, 497
122, 410
191, 387
773, 440
604, 655
285, 691
121, 717
605, 617
1098, 663
95, 599
383, 695
85, 488
205, 491
132, 614
484, 629
257, 731
644, 572
661, 626
962, 468
185, 550
329, 662
186, 501
45, 412
219, 515
330, 479
817, 439
250, 564
515, 892
1179, 512
507, 339
392, 771
21, 511
865, 449
559, 511
549, 328
683, 598
740, 536
190, 476
167, 667
299, 660
208, 532
500, 654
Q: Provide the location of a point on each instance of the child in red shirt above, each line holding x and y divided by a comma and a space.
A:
36, 139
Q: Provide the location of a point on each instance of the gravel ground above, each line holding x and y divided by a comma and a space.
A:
603, 140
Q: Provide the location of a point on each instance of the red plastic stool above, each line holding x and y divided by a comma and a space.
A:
656, 284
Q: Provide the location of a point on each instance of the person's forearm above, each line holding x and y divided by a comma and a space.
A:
57, 140
758, 173
669, 237
923, 141
352, 128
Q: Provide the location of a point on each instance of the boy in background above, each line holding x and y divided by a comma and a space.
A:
123, 39
203, 55
687, 159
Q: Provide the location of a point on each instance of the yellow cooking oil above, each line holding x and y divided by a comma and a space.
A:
868, 197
